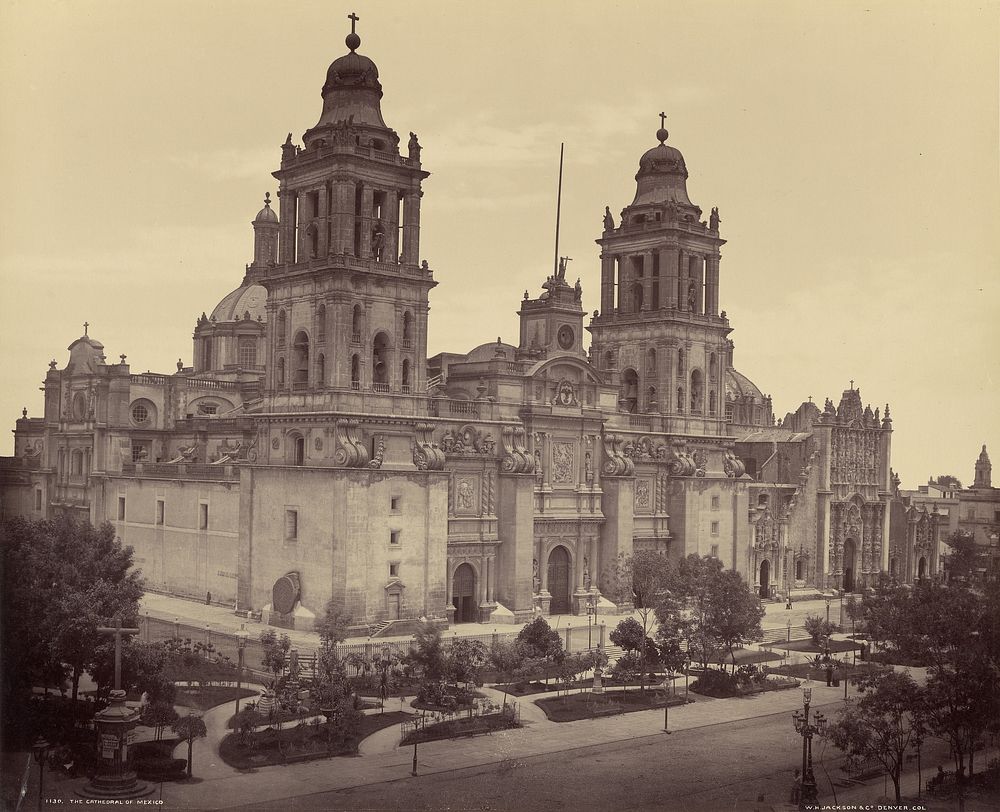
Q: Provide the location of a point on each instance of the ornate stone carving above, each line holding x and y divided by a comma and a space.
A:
379, 446
427, 456
488, 497
681, 464
563, 463
588, 468
766, 532
615, 462
352, 452
700, 461
516, 459
733, 465
465, 499
565, 394
467, 440
642, 495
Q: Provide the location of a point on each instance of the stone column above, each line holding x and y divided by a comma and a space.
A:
391, 251
367, 202
607, 284
343, 216
411, 227
698, 277
683, 267
669, 262
322, 223
288, 216
712, 285
647, 282
516, 527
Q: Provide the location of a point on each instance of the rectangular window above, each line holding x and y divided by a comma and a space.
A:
394, 570
291, 525
203, 516
394, 504
715, 551
394, 537
139, 453
715, 528
715, 503
121, 508
161, 509
38, 498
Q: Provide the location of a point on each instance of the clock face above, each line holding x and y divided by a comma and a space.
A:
565, 336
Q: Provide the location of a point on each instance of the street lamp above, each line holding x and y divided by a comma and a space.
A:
788, 630
806, 729
39, 750
241, 644
828, 612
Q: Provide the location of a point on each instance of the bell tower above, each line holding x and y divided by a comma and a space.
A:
347, 298
984, 471
659, 326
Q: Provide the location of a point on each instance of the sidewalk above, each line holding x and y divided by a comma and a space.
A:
223, 619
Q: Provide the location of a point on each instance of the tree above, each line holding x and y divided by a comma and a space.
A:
189, 728
652, 577
818, 629
275, 651
142, 669
539, 641
158, 715
966, 559
506, 658
734, 613
631, 637
882, 725
947, 481
62, 578
466, 659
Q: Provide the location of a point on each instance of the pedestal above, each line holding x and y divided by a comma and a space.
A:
544, 602
115, 779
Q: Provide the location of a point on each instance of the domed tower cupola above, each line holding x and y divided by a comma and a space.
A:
265, 238
662, 176
351, 101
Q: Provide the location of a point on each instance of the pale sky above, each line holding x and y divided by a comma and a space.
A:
852, 149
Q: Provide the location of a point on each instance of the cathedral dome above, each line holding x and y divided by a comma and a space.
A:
740, 386
266, 214
352, 92
662, 176
245, 299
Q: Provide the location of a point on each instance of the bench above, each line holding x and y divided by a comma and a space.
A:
609, 710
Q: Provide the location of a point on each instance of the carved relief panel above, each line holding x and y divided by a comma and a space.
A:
563, 463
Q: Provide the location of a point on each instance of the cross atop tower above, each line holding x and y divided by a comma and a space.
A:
852, 384
663, 119
86, 324
353, 18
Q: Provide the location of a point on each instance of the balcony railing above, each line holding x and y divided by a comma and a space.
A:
380, 387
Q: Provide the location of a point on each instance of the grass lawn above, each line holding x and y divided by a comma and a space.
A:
267, 751
282, 716
588, 705
748, 655
809, 645
208, 697
453, 728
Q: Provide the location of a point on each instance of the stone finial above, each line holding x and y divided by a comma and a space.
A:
180, 365
123, 357
24, 412
52, 364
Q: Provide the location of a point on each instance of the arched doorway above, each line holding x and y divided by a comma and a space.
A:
799, 570
463, 594
849, 555
630, 390
558, 581
922, 568
765, 579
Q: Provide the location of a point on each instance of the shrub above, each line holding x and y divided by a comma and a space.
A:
817, 628
715, 683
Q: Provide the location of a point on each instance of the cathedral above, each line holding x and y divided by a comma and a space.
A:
313, 451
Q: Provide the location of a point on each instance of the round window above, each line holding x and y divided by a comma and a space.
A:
565, 336
140, 414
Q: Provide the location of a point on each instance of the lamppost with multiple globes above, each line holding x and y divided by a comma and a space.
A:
241, 644
806, 729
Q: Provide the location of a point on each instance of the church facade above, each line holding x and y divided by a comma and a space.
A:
313, 451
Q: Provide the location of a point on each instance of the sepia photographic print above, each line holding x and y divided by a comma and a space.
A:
601, 418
